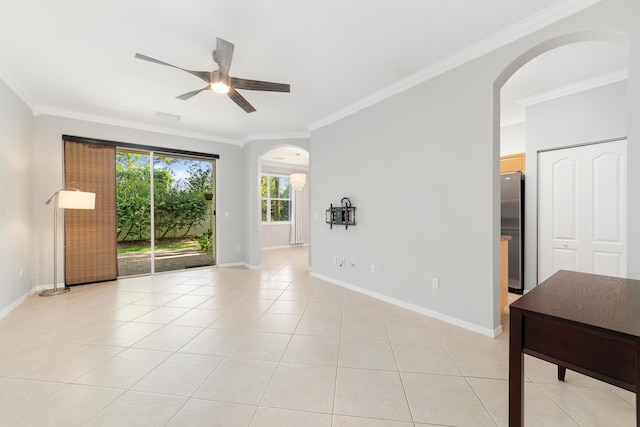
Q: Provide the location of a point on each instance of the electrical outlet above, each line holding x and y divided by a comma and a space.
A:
373, 268
352, 265
435, 283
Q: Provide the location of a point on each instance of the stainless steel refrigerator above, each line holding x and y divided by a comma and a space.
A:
512, 224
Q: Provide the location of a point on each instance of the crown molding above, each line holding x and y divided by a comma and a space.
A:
525, 27
272, 136
39, 110
132, 125
592, 83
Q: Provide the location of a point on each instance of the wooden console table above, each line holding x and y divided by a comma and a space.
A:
582, 322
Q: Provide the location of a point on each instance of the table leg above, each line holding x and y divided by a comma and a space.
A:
637, 406
637, 383
561, 372
516, 370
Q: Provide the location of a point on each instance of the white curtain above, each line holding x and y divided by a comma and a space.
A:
296, 221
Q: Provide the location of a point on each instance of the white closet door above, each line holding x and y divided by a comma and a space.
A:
582, 210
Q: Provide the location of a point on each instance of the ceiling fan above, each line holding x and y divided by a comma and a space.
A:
220, 81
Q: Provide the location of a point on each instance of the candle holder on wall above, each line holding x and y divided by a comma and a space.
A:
345, 214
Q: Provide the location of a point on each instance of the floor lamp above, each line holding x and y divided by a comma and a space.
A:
67, 198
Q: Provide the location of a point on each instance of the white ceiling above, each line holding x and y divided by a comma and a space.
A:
289, 156
562, 71
75, 58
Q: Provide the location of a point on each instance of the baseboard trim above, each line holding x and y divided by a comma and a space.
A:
492, 333
230, 264
240, 264
15, 304
268, 248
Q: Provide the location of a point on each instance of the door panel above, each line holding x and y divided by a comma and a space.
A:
564, 259
166, 223
606, 224
183, 215
565, 194
607, 263
607, 199
582, 210
133, 211
559, 216
605, 238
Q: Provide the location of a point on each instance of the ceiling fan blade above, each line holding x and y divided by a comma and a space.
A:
204, 75
259, 85
193, 93
239, 99
222, 56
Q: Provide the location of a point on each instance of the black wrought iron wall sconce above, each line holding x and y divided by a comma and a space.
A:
345, 214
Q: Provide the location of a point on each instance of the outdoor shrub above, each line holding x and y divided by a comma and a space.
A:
205, 240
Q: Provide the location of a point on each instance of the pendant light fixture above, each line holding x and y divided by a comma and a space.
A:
298, 180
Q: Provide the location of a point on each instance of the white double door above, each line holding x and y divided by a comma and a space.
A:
582, 210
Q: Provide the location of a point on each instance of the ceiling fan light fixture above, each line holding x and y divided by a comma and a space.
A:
219, 80
220, 87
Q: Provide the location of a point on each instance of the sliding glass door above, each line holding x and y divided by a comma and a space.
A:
168, 222
133, 211
183, 212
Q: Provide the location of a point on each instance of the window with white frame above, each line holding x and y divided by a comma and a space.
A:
276, 198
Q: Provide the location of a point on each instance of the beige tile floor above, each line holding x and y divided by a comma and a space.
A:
274, 347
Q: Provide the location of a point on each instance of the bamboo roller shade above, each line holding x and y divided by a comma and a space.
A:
90, 235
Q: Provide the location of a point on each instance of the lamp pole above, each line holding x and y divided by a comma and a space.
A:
55, 291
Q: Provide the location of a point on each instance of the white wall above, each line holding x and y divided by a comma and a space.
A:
48, 133
418, 168
590, 116
16, 200
513, 139
422, 169
274, 235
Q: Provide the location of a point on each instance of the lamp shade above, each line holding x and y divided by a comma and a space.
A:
298, 180
69, 199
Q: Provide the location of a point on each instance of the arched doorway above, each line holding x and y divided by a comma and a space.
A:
540, 61
254, 153
284, 203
